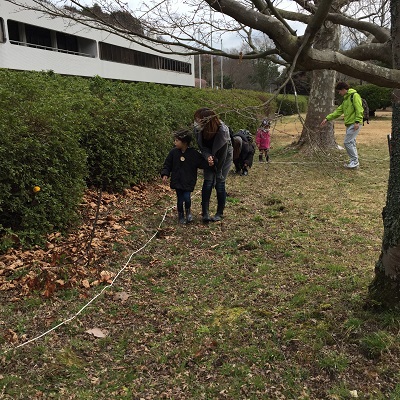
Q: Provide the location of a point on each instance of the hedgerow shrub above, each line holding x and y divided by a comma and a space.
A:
65, 133
126, 136
377, 97
39, 147
289, 104
237, 108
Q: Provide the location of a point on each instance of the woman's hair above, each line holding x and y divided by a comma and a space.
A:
209, 121
342, 85
184, 136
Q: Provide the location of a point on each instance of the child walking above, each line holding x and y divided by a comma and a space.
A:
263, 140
181, 164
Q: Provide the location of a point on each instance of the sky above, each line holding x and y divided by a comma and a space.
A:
229, 40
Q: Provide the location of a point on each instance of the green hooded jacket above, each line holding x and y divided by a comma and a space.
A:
351, 108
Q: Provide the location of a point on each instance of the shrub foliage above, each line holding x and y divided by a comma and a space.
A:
377, 97
39, 129
62, 134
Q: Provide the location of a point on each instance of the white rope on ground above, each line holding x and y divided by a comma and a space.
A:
97, 295
325, 162
128, 261
321, 162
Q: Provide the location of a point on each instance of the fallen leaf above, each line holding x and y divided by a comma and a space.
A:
106, 276
11, 336
86, 284
123, 296
50, 287
95, 380
96, 332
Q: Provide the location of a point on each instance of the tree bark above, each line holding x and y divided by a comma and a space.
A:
321, 100
384, 290
315, 138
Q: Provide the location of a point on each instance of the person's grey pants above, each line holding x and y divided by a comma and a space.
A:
350, 143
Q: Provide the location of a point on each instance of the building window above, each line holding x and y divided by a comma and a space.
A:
67, 42
13, 31
2, 32
42, 38
109, 52
37, 36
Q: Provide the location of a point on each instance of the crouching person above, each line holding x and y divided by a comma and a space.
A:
181, 165
243, 152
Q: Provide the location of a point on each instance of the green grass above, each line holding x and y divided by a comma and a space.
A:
267, 304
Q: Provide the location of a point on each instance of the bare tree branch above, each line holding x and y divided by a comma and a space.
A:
190, 32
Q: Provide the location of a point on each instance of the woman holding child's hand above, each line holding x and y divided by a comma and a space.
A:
215, 144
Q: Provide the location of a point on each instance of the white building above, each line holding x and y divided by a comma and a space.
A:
31, 40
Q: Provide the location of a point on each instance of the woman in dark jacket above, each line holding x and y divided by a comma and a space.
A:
215, 144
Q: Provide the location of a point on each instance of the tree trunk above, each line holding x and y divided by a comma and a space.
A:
384, 290
322, 96
314, 137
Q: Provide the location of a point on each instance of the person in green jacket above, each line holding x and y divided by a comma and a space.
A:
353, 111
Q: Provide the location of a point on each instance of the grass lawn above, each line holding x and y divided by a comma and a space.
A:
267, 304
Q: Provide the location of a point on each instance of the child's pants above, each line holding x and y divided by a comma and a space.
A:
183, 197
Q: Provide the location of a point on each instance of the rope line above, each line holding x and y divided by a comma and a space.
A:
64, 322
98, 294
326, 161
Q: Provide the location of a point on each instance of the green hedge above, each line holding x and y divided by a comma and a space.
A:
289, 104
125, 137
39, 146
377, 97
66, 133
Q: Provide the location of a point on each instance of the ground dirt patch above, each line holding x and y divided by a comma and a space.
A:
267, 304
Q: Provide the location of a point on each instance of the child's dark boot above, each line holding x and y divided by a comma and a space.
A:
189, 216
181, 218
218, 215
260, 158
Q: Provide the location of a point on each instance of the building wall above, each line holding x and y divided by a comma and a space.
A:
27, 57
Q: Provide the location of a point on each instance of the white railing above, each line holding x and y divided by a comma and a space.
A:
38, 46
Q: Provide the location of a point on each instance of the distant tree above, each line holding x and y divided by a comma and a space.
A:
265, 74
119, 19
228, 82
126, 20
300, 83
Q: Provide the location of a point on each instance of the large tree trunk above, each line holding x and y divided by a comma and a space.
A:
314, 137
322, 96
384, 291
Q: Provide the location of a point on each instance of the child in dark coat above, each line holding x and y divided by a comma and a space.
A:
181, 164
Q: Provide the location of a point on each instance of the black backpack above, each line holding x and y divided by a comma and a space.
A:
231, 133
245, 134
365, 107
